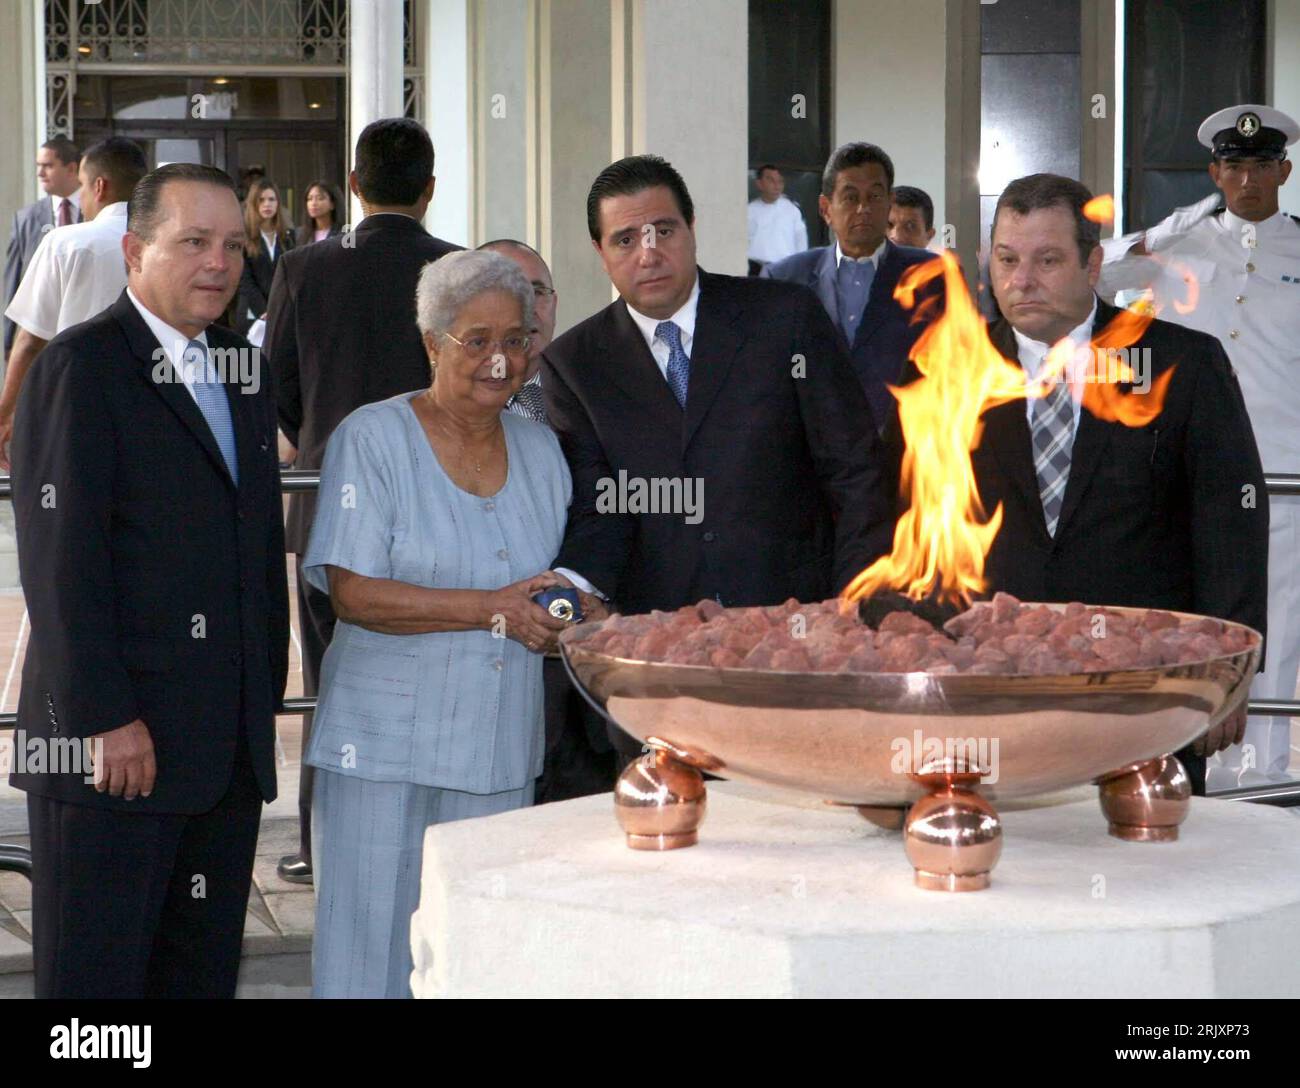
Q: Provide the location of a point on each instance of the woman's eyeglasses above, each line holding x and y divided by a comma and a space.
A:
480, 347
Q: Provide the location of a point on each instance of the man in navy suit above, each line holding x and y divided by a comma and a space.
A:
856, 275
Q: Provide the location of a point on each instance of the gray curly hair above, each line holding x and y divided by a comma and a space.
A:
447, 285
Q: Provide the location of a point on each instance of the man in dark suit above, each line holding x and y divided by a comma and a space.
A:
1169, 515
340, 333
855, 275
57, 161
147, 499
728, 396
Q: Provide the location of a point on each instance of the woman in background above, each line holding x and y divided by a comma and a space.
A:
323, 213
266, 236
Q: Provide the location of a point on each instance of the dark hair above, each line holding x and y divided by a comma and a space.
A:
847, 156
908, 196
142, 209
119, 160
1037, 191
394, 161
634, 175
765, 167
336, 212
68, 153
253, 218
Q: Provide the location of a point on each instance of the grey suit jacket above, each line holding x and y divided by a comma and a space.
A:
30, 225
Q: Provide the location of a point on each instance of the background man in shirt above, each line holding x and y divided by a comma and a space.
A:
528, 402
776, 226
856, 274
1244, 253
56, 170
77, 270
911, 217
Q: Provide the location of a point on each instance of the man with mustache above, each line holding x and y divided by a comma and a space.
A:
1170, 515
1230, 266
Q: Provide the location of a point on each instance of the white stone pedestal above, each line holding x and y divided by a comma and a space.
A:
784, 898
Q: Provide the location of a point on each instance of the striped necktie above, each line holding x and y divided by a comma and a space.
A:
1052, 435
679, 363
213, 403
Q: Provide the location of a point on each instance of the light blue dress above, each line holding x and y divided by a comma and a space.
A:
413, 729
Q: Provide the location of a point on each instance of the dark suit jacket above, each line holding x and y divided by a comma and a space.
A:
1153, 516
30, 225
156, 587
884, 339
341, 332
794, 500
304, 235
255, 282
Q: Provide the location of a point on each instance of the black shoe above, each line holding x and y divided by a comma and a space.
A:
294, 869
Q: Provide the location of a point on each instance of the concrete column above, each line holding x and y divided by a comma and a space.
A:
573, 147
374, 69
502, 90
680, 89
1284, 78
961, 127
889, 63
22, 131
1100, 101
447, 117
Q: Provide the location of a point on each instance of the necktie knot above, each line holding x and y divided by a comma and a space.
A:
670, 333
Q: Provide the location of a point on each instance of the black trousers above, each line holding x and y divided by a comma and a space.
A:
135, 905
579, 760
316, 621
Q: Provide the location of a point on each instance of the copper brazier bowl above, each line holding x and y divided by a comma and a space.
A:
869, 740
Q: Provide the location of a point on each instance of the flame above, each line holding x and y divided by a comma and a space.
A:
1100, 209
943, 539
1193, 288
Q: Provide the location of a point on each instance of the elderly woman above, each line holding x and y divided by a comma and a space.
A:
437, 518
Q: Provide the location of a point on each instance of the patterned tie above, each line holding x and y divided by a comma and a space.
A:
853, 288
528, 402
211, 395
65, 212
1052, 434
679, 363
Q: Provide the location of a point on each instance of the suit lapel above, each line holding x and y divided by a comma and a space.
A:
719, 335
882, 294
824, 285
1006, 433
633, 369
143, 345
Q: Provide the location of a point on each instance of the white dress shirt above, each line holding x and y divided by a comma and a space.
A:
173, 342
776, 230
269, 239
684, 319
76, 272
1033, 352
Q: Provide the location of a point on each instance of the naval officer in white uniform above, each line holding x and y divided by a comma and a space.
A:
1230, 266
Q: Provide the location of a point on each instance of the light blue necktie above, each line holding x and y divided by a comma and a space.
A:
853, 286
211, 396
679, 363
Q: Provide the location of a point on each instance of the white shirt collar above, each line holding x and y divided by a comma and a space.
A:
1235, 225
109, 211
1033, 352
172, 341
874, 258
684, 319
55, 200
